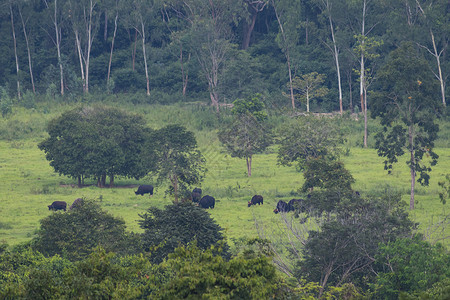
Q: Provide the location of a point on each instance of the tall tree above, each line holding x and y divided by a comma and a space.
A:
25, 34
248, 133
436, 20
327, 8
13, 31
309, 87
141, 12
57, 18
210, 37
178, 159
286, 12
85, 19
407, 102
253, 7
364, 48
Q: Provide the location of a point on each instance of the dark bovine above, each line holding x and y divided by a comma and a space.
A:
196, 195
144, 189
296, 204
77, 203
57, 205
257, 199
281, 207
207, 202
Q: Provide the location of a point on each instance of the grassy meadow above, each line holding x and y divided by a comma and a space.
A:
28, 184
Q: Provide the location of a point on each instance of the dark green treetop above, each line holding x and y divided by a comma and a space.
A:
178, 223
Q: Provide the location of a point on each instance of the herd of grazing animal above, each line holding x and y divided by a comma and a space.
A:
206, 201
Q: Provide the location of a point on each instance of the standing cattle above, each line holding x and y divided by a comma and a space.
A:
144, 189
196, 195
77, 203
257, 199
207, 202
282, 207
296, 204
57, 205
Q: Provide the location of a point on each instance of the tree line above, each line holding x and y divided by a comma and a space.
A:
218, 50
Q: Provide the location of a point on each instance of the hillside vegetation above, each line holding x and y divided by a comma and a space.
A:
29, 184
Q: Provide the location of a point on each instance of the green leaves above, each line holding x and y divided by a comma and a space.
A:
75, 233
97, 141
178, 224
177, 159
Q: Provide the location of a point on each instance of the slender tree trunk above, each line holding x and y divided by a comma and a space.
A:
58, 48
79, 181
362, 75
307, 100
248, 30
365, 118
249, 166
350, 90
291, 88
111, 180
15, 50
336, 60
438, 61
28, 51
80, 57
89, 45
112, 47
134, 50
145, 58
412, 166
184, 75
105, 31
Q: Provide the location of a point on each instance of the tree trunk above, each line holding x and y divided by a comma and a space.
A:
307, 100
291, 88
79, 181
440, 77
80, 57
28, 51
184, 75
58, 48
248, 30
89, 45
365, 118
145, 58
249, 166
15, 50
111, 180
112, 47
336, 60
412, 166
134, 50
175, 187
362, 75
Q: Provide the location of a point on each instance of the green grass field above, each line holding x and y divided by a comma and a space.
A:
28, 184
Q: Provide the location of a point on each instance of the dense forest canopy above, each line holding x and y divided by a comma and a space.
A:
215, 51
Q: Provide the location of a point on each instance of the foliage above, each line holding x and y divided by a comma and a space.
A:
324, 174
248, 132
5, 102
179, 223
342, 250
75, 233
207, 275
308, 87
178, 159
445, 186
410, 265
308, 138
97, 141
406, 102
